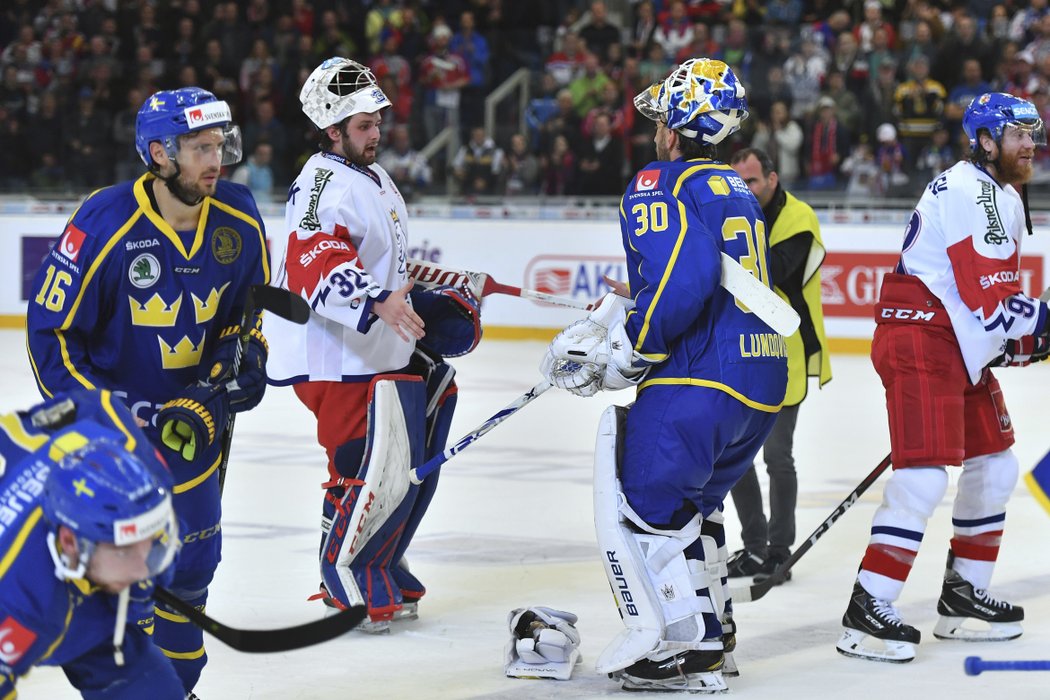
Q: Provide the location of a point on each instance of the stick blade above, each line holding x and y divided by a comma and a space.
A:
281, 302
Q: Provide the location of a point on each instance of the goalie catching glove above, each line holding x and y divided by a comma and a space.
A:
451, 319
246, 389
192, 422
595, 354
544, 643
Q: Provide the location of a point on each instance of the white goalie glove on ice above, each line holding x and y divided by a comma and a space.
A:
543, 644
594, 353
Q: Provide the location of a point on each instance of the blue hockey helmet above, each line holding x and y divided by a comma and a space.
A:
995, 111
701, 99
168, 114
104, 493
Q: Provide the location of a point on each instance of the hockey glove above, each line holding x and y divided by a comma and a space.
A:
451, 317
247, 388
1023, 351
544, 643
191, 423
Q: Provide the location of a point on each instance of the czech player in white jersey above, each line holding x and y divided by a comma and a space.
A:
346, 255
953, 308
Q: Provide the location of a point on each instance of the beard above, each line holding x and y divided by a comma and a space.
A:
1015, 172
190, 192
360, 157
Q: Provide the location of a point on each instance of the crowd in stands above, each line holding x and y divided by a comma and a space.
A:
860, 96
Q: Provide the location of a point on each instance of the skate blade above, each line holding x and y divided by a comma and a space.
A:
708, 683
955, 629
858, 645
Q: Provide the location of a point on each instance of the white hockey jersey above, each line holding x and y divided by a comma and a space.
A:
346, 250
964, 243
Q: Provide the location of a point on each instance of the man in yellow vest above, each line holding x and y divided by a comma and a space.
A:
796, 253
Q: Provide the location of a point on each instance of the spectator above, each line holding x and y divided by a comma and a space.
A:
443, 75
87, 144
1039, 47
612, 106
598, 34
676, 31
15, 154
565, 65
559, 168
587, 89
849, 61
257, 60
847, 106
961, 95
332, 40
655, 64
873, 21
266, 128
701, 44
784, 13
642, 29
564, 122
478, 165
474, 49
601, 161
918, 107
829, 144
936, 156
1021, 26
964, 41
1023, 80
864, 181
390, 64
804, 71
922, 44
878, 99
382, 17
256, 173
890, 159
781, 137
126, 161
404, 164
522, 168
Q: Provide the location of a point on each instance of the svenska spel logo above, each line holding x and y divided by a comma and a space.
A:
647, 180
70, 243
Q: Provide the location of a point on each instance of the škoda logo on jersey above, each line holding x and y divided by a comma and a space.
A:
577, 277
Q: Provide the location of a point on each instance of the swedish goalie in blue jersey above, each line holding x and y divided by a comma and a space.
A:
710, 377
143, 295
86, 521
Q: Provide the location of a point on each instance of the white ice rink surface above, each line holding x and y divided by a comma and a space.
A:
511, 526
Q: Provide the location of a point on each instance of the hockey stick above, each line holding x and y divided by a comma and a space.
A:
281, 302
271, 640
480, 284
757, 590
975, 665
423, 471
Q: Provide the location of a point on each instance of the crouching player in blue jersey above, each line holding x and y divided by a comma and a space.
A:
710, 375
143, 295
85, 521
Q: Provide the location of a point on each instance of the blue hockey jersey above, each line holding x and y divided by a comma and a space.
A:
676, 219
45, 620
125, 302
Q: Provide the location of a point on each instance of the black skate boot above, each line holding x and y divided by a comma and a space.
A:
960, 602
869, 618
729, 668
693, 671
744, 563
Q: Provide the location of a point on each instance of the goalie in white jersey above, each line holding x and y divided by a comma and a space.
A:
382, 404
953, 308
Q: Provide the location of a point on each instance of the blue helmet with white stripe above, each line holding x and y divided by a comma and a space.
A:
168, 114
701, 99
995, 111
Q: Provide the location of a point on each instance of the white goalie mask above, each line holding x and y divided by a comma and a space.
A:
339, 88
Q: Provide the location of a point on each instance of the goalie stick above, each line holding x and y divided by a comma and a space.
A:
423, 471
481, 284
280, 302
271, 640
757, 590
751, 292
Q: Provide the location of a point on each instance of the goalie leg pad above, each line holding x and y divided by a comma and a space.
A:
655, 586
368, 522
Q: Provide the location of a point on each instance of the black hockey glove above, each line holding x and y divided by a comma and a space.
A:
192, 422
1024, 351
247, 388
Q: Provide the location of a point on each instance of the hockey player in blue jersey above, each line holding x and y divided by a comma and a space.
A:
143, 294
86, 521
710, 377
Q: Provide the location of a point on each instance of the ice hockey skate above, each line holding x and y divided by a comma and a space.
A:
961, 603
692, 671
729, 668
874, 630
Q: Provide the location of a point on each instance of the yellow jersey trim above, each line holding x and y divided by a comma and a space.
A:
185, 655
20, 540
768, 408
197, 481
146, 207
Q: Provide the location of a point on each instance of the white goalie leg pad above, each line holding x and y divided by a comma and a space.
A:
386, 483
544, 643
653, 583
